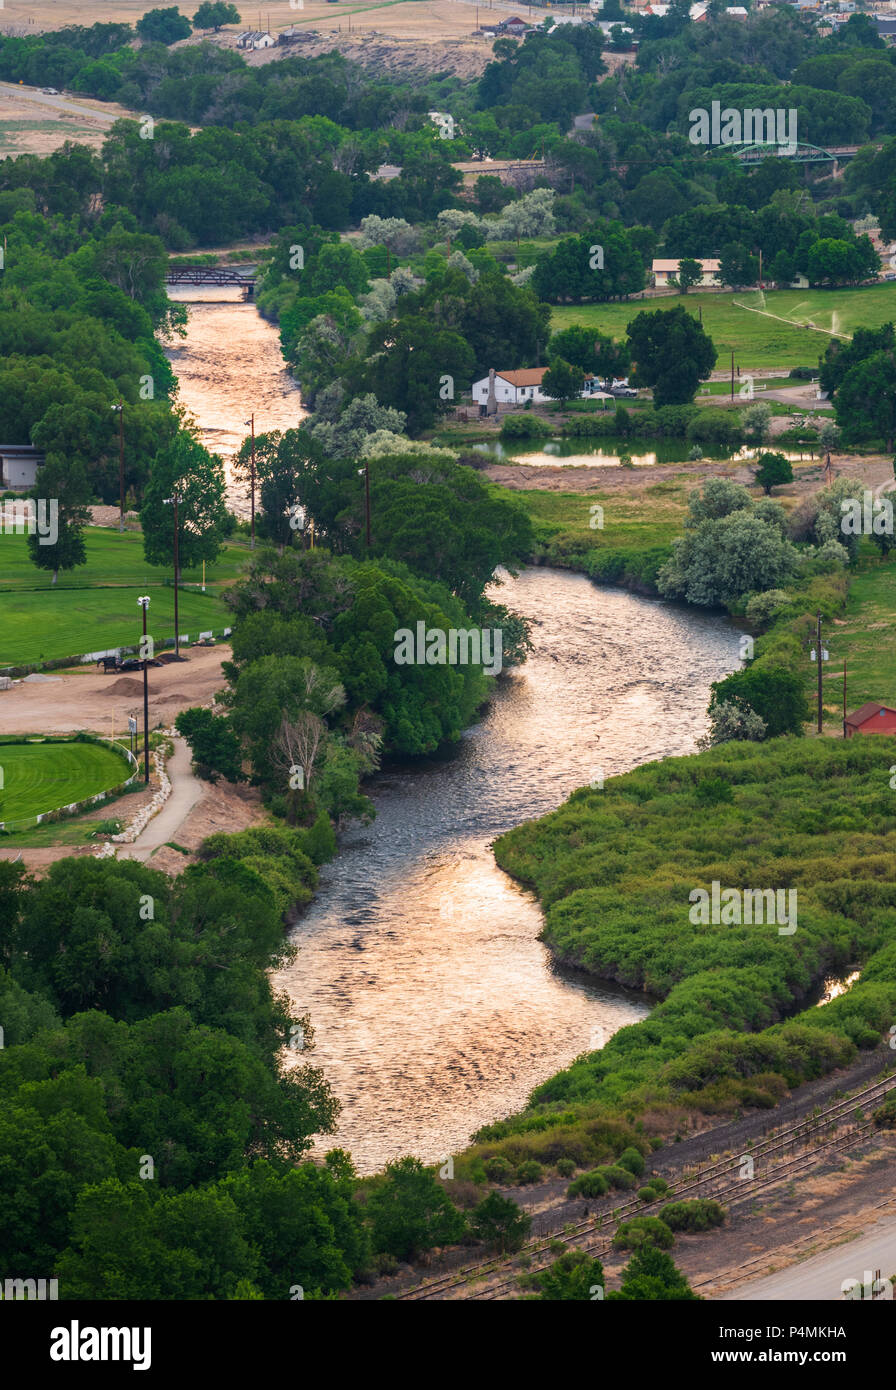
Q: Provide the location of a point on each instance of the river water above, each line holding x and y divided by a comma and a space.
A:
228, 367
436, 1008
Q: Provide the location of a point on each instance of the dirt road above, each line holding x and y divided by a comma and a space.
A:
821, 1278
86, 699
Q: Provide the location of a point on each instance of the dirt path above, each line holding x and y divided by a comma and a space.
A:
186, 792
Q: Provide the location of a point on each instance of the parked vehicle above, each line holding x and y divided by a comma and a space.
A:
115, 663
134, 663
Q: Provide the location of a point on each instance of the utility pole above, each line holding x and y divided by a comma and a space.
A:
120, 409
175, 499
144, 604
844, 697
251, 423
818, 650
732, 373
367, 496
760, 267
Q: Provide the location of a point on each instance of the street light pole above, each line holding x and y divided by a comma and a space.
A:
120, 409
175, 499
144, 604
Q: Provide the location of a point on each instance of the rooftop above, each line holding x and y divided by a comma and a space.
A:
861, 716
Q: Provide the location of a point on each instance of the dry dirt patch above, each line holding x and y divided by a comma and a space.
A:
86, 699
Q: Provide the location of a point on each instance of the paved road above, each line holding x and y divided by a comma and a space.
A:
73, 106
186, 791
819, 1279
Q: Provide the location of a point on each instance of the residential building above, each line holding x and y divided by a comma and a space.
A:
664, 270
512, 388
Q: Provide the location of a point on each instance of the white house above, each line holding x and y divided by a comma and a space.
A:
664, 270
18, 466
255, 38
513, 388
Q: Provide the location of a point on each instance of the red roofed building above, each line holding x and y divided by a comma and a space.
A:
871, 719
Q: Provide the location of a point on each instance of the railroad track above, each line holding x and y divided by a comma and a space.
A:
594, 1237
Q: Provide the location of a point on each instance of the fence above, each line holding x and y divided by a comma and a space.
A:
73, 808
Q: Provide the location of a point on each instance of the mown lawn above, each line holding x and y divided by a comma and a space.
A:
39, 777
94, 607
47, 626
756, 340
113, 557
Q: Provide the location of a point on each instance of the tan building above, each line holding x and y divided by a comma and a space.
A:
664, 271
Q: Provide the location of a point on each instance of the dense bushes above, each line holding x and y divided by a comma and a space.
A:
525, 427
633, 568
697, 1214
141, 1028
643, 1230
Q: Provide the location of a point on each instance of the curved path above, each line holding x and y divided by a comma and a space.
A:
186, 791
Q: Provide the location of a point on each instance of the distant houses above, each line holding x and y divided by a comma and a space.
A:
871, 719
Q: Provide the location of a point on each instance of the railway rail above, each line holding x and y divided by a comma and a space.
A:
595, 1237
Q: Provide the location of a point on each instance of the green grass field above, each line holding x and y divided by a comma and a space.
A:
866, 637
94, 607
40, 777
113, 557
757, 340
44, 626
649, 518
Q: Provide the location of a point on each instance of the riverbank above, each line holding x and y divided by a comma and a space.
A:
788, 815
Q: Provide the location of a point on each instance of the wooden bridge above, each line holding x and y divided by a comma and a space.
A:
212, 275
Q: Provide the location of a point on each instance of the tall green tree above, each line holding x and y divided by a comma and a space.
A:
212, 14
62, 491
186, 468
562, 382
689, 273
410, 1211
670, 352
164, 26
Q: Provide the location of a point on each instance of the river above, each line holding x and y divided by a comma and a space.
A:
228, 367
435, 1006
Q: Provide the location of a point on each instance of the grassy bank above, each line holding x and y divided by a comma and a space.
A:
614, 870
